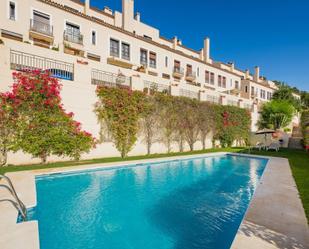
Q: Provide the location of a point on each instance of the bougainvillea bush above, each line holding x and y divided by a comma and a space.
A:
43, 128
121, 109
232, 125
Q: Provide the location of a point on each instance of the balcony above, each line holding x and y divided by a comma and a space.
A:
102, 78
178, 72
190, 76
73, 37
41, 31
23, 61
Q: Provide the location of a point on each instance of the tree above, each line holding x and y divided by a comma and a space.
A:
285, 93
179, 105
149, 122
167, 119
121, 109
190, 124
43, 128
205, 121
276, 114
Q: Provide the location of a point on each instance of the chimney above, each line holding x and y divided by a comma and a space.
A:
175, 42
127, 14
107, 10
247, 74
257, 74
232, 65
179, 42
137, 17
87, 7
207, 49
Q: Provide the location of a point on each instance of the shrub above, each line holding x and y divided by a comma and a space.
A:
276, 114
43, 127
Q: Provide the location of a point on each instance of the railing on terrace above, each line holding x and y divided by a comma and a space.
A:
73, 37
248, 106
188, 94
213, 99
41, 27
232, 102
102, 78
178, 70
190, 74
156, 87
23, 62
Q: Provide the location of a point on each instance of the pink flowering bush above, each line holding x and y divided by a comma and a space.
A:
43, 128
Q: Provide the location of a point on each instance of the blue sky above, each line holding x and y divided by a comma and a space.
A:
273, 34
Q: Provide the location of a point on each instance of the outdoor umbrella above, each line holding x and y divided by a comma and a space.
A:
265, 132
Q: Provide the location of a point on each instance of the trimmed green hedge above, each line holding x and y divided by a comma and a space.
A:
305, 127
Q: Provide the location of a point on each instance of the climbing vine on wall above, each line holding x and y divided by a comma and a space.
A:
121, 109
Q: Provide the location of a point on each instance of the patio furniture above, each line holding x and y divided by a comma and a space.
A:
273, 146
259, 146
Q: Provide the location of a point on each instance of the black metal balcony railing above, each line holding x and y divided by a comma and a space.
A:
23, 61
103, 78
41, 27
74, 37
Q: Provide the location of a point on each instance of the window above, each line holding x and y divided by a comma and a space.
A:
93, 37
262, 94
114, 48
189, 70
224, 82
144, 57
41, 23
236, 84
219, 80
246, 89
207, 77
72, 33
125, 51
152, 59
212, 78
166, 61
269, 95
252, 90
177, 64
198, 72
12, 11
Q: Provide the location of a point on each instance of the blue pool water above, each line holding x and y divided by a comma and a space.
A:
188, 204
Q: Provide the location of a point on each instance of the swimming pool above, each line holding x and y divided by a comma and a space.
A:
183, 204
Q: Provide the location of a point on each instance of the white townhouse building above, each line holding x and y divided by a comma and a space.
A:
84, 46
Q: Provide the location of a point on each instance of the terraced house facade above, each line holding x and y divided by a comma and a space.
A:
84, 47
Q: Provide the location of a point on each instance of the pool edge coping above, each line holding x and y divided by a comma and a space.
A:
31, 228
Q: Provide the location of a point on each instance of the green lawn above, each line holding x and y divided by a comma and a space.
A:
299, 161
13, 168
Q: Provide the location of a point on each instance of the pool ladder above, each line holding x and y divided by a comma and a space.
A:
17, 203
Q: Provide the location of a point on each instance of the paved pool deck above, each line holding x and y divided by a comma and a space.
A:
275, 218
